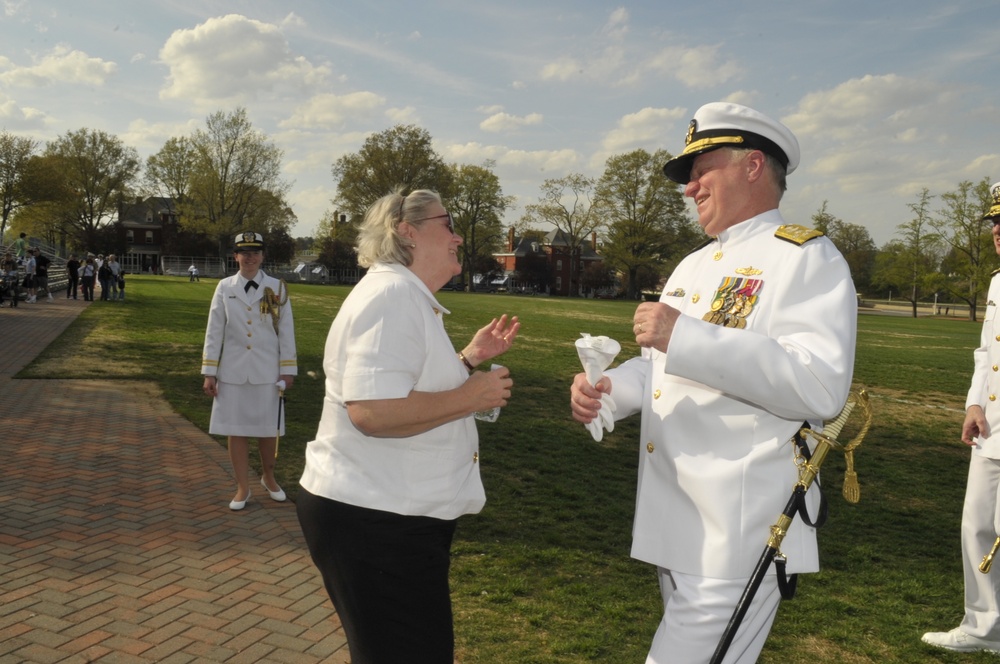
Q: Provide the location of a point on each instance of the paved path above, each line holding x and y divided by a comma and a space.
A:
116, 542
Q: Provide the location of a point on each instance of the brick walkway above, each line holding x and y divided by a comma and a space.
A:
116, 542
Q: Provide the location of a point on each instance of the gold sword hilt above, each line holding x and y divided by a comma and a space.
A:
987, 563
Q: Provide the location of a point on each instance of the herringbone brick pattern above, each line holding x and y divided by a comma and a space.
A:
116, 541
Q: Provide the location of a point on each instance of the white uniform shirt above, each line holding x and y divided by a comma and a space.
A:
241, 345
719, 409
387, 340
985, 388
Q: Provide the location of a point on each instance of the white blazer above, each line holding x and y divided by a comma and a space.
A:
716, 463
241, 344
985, 388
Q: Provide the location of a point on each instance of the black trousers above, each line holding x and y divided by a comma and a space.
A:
387, 575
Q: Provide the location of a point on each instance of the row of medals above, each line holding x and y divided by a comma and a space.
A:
733, 302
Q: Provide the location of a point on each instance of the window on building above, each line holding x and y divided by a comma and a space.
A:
130, 236
558, 284
559, 265
149, 237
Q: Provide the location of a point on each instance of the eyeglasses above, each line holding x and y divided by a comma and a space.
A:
451, 221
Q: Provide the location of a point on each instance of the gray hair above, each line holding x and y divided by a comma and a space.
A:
776, 172
379, 240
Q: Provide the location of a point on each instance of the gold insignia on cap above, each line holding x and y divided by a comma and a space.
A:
249, 237
692, 128
797, 234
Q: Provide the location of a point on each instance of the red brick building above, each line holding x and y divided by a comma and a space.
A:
546, 264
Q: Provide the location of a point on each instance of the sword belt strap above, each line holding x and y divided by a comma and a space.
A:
786, 584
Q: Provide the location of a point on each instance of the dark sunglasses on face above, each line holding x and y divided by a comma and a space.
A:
451, 221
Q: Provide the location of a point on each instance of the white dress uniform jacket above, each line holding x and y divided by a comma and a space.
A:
720, 407
241, 345
985, 388
387, 340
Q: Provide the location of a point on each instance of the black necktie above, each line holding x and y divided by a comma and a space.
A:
249, 285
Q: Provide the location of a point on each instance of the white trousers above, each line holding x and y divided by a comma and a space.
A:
979, 530
696, 611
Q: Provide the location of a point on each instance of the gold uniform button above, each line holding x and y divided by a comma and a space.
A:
656, 394
249, 322
249, 334
249, 347
998, 337
475, 457
993, 397
995, 368
695, 298
650, 447
249, 309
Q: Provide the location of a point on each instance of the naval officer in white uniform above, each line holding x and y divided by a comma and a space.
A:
249, 348
753, 335
980, 626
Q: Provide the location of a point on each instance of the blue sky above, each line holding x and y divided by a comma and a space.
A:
886, 97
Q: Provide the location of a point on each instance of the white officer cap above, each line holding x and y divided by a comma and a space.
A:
994, 213
722, 125
248, 241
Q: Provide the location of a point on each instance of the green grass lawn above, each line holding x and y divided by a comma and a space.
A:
543, 574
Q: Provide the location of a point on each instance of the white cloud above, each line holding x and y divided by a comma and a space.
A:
20, 118
233, 58
403, 115
562, 69
62, 65
506, 122
328, 110
644, 129
617, 25
698, 67
871, 107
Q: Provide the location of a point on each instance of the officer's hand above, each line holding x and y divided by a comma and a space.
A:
975, 425
653, 325
585, 399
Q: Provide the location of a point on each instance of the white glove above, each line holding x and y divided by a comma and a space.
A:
596, 355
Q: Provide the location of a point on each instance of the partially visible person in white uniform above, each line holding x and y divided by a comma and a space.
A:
395, 461
753, 336
980, 626
249, 349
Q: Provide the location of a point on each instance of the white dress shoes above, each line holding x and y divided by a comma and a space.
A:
239, 504
959, 641
278, 495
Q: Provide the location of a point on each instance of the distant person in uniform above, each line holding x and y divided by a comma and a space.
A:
753, 336
193, 271
249, 349
980, 626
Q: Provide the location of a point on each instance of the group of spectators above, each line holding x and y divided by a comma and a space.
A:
36, 273
93, 271
107, 272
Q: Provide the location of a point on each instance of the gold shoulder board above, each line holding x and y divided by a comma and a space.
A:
995, 272
797, 234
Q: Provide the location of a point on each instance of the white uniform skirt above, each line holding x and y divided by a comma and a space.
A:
246, 410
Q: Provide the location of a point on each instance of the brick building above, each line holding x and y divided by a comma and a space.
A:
546, 264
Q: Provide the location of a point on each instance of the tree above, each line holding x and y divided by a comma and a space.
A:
98, 170
566, 203
477, 204
16, 153
169, 172
854, 242
335, 245
961, 228
398, 157
649, 230
910, 264
234, 182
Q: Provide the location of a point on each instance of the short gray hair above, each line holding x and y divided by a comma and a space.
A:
379, 240
776, 172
